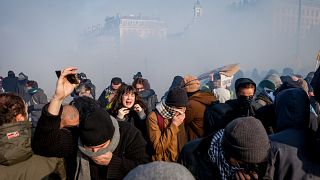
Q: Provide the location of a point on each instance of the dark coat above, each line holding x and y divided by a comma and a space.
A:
293, 155
220, 114
50, 140
36, 103
22, 90
194, 156
149, 98
10, 83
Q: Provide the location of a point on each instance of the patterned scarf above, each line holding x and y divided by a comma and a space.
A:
165, 111
216, 156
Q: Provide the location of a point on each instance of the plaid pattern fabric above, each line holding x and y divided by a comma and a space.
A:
216, 156
165, 111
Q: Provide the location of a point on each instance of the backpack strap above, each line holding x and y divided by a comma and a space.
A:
160, 121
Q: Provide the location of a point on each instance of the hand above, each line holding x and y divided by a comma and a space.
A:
240, 175
178, 119
137, 108
30, 108
122, 112
64, 88
104, 159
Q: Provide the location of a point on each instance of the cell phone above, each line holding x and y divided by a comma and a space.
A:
58, 73
72, 78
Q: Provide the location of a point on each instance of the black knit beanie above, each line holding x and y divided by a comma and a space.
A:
97, 128
245, 139
177, 97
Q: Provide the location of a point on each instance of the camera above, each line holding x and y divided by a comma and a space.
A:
72, 78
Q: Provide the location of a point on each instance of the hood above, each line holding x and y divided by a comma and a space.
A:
177, 81
206, 98
15, 142
11, 74
241, 81
146, 93
292, 109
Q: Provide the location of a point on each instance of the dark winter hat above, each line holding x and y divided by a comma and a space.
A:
177, 97
96, 128
267, 84
116, 80
160, 170
246, 139
243, 81
11, 73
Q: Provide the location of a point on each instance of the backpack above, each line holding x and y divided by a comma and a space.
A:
216, 116
160, 121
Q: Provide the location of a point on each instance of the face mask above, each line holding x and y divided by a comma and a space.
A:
245, 101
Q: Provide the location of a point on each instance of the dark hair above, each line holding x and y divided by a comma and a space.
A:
116, 80
32, 84
10, 106
85, 106
142, 81
245, 86
117, 100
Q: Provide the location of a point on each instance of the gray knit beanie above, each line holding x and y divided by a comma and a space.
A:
246, 139
160, 170
275, 79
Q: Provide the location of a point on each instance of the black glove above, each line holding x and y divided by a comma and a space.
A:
30, 109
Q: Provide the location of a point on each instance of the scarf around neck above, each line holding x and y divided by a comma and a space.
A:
216, 155
83, 165
164, 110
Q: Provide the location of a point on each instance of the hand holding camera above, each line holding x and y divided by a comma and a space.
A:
66, 83
63, 89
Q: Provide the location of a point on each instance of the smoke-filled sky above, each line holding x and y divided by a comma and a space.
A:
38, 37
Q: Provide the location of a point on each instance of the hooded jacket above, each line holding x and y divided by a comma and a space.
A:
16, 157
194, 121
149, 98
10, 83
293, 155
37, 101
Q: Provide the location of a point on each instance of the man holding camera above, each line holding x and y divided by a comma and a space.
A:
103, 150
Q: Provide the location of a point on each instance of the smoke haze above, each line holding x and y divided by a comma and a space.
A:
39, 37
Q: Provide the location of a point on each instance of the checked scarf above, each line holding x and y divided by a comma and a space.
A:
164, 110
216, 156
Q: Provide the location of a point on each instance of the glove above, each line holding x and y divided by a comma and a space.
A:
30, 109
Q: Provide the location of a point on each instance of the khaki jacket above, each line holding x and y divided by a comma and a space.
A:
17, 160
167, 144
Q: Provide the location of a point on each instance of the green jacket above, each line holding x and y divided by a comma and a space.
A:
16, 157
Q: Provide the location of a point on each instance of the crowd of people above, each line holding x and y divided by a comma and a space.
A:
257, 128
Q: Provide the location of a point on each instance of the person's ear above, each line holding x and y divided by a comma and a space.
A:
20, 118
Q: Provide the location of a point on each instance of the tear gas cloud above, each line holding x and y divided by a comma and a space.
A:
39, 37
